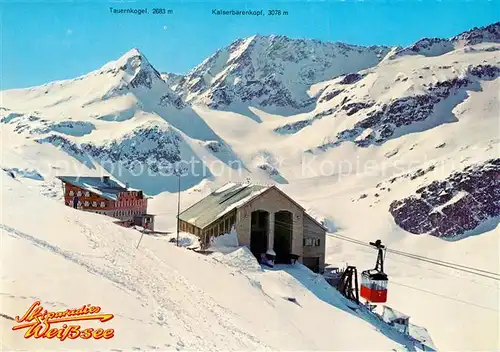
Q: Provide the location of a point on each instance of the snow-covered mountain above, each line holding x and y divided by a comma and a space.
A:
122, 115
396, 144
440, 46
464, 201
397, 98
271, 71
172, 79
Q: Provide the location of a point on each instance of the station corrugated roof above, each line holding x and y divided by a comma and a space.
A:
220, 202
107, 188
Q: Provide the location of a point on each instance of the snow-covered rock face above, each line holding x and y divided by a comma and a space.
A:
405, 126
427, 47
272, 71
133, 66
172, 79
32, 124
386, 119
440, 46
128, 113
455, 206
489, 34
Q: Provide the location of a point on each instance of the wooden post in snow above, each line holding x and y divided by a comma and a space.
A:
140, 239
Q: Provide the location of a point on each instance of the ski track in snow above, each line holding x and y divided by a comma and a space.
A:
169, 279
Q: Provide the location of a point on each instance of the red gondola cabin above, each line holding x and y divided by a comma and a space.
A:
374, 286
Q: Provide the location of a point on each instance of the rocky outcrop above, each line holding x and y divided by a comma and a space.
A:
440, 46
32, 124
453, 207
427, 47
216, 146
353, 108
351, 78
294, 127
172, 79
151, 146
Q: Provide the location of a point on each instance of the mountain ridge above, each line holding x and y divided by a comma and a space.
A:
239, 73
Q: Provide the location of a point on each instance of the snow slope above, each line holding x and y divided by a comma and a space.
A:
162, 297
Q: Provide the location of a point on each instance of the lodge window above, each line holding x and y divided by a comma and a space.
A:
103, 204
71, 193
87, 194
79, 193
312, 242
87, 203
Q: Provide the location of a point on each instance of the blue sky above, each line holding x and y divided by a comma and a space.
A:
46, 41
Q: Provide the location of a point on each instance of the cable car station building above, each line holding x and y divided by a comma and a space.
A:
266, 220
